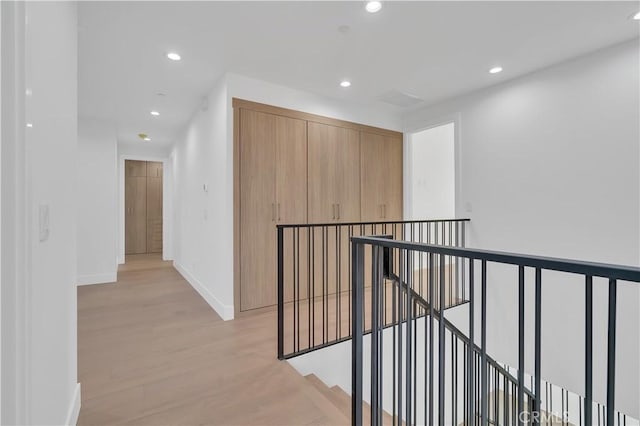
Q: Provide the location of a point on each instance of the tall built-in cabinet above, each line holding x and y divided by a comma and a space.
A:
273, 176
293, 167
143, 207
380, 181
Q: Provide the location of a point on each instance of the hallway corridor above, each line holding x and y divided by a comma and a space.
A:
152, 352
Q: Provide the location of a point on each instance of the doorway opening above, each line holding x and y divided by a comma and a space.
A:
143, 202
432, 176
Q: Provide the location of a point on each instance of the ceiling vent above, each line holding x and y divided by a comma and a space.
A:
399, 99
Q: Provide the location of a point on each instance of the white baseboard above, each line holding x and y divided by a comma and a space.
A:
74, 408
226, 312
97, 278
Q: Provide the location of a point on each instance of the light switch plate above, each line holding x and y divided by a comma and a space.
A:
43, 214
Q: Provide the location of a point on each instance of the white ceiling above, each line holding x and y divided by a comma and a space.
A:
432, 50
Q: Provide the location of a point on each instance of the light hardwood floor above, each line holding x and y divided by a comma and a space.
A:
152, 352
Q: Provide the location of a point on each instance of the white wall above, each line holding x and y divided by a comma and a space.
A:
203, 248
431, 168
550, 165
204, 155
39, 328
97, 203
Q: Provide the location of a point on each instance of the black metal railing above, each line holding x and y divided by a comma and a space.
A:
424, 369
314, 276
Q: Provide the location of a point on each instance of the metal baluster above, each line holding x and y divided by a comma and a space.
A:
356, 341
538, 343
483, 345
324, 290
309, 298
471, 355
520, 344
431, 283
400, 358
611, 353
338, 279
409, 353
441, 354
296, 306
374, 335
349, 284
588, 352
396, 323
280, 249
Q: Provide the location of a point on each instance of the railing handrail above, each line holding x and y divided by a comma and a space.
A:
594, 269
388, 222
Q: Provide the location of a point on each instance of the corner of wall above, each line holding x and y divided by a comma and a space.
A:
74, 408
226, 312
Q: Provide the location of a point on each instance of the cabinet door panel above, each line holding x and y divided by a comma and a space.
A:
373, 175
257, 209
154, 169
135, 168
322, 195
291, 201
291, 170
347, 172
135, 215
154, 215
393, 182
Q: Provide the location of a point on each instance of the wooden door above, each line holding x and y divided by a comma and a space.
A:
393, 199
373, 176
291, 202
347, 172
154, 207
381, 177
257, 209
135, 213
135, 168
291, 170
154, 169
322, 146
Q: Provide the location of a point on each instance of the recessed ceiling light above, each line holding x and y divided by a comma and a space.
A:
173, 56
147, 139
373, 6
155, 113
345, 83
636, 16
495, 70
29, 125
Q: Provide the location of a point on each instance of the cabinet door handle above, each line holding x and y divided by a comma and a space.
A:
278, 211
333, 211
380, 210
338, 206
384, 210
273, 212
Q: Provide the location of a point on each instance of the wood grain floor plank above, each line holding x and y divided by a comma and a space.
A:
152, 352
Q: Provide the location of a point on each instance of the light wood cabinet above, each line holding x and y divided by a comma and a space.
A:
143, 207
154, 211
135, 168
381, 177
334, 174
273, 189
297, 168
154, 169
135, 225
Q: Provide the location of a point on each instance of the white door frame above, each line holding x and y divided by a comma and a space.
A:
167, 204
